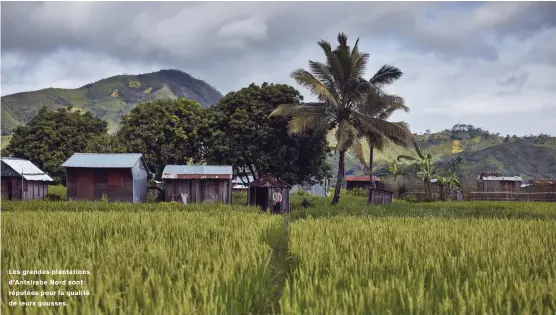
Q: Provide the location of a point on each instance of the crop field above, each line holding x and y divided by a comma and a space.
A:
166, 258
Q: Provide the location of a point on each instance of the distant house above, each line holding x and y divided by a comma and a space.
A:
319, 189
22, 180
494, 182
360, 182
198, 183
539, 186
115, 176
241, 182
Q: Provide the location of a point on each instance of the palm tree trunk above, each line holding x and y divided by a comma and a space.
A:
371, 156
372, 186
341, 164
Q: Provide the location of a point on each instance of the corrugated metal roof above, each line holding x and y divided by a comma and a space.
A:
353, 178
172, 171
27, 169
504, 178
103, 160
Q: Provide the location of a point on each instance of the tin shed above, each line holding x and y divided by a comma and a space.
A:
23, 180
260, 192
118, 176
198, 183
361, 182
499, 183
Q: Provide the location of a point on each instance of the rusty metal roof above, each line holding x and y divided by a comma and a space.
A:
197, 171
27, 169
269, 180
103, 160
353, 178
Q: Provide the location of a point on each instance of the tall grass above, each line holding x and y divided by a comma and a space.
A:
145, 262
348, 265
353, 258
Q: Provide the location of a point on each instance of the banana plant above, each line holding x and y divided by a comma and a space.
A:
424, 167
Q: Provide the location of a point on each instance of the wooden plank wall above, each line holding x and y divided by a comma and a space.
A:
100, 184
199, 190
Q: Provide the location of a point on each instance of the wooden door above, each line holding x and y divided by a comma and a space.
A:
85, 186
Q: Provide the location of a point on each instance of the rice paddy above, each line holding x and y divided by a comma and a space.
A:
437, 258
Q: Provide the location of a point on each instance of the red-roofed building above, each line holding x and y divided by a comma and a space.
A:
360, 182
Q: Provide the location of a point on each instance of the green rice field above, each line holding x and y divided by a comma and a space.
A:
166, 258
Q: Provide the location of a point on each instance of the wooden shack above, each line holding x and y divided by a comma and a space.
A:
361, 182
23, 180
110, 176
488, 182
380, 196
198, 183
260, 192
540, 186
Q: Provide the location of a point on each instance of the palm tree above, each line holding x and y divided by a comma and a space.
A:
379, 106
424, 168
342, 94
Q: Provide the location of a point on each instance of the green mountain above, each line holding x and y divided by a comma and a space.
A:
108, 98
529, 156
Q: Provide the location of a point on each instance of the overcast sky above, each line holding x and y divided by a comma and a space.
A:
492, 65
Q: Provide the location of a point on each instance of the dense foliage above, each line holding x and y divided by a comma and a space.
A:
244, 136
51, 137
165, 132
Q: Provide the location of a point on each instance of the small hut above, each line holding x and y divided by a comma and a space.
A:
22, 180
114, 176
198, 183
380, 196
362, 182
495, 182
260, 192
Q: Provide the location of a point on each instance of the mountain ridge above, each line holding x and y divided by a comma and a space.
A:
108, 98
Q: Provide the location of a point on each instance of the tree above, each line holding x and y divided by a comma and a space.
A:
448, 181
51, 137
166, 132
424, 168
342, 94
105, 143
243, 135
372, 125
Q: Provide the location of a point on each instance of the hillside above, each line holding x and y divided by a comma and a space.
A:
529, 157
108, 98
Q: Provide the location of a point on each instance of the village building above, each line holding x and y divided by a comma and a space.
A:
262, 190
494, 182
241, 182
539, 186
361, 182
198, 183
106, 176
23, 180
319, 189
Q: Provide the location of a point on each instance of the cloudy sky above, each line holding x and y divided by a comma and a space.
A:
492, 65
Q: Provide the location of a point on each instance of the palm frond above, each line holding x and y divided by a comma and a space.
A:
345, 135
306, 79
357, 150
386, 75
